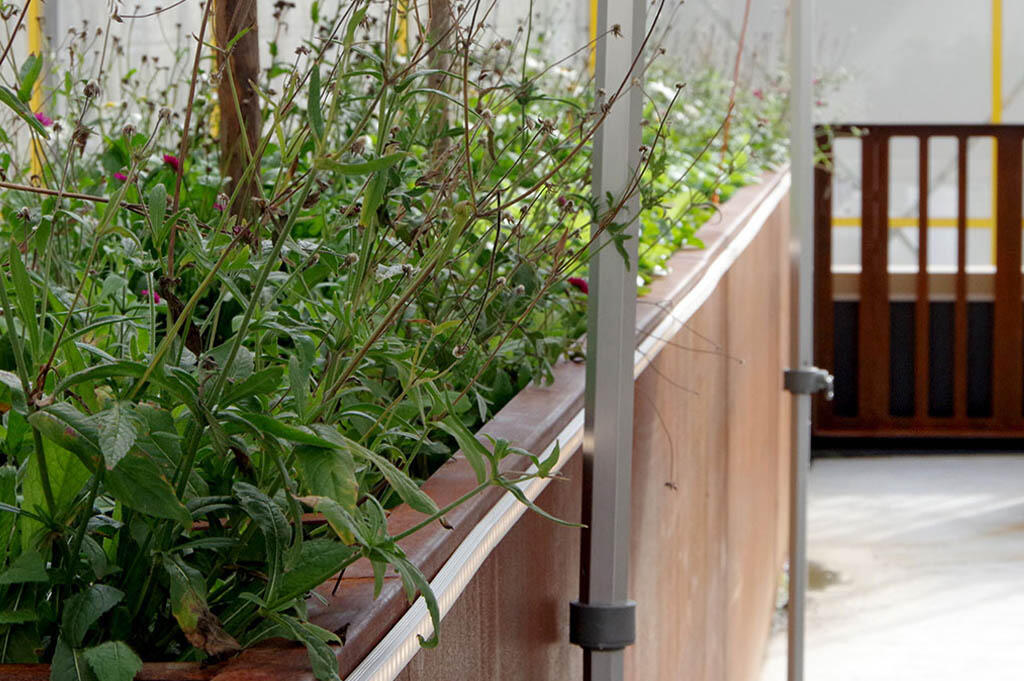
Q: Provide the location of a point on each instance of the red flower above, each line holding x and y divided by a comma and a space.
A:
45, 120
759, 93
120, 177
173, 162
219, 206
580, 284
156, 296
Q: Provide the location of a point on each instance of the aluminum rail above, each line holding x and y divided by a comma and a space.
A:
802, 235
611, 342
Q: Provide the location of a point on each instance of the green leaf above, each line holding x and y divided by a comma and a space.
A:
316, 116
299, 434
157, 199
113, 285
117, 433
139, 483
261, 383
272, 525
25, 297
68, 475
84, 609
329, 473
28, 76
113, 661
28, 567
316, 640
474, 451
18, 616
17, 106
8, 496
414, 581
188, 605
362, 168
318, 561
404, 486
68, 664
340, 520
69, 428
17, 392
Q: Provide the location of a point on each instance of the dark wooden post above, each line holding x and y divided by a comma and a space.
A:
237, 94
439, 36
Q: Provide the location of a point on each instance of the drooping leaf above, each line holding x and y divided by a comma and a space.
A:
18, 616
260, 383
404, 486
117, 433
68, 664
26, 296
12, 383
14, 103
329, 473
316, 640
316, 116
69, 428
272, 525
113, 661
137, 482
363, 167
343, 524
28, 567
28, 76
414, 582
84, 609
157, 199
188, 605
318, 561
8, 495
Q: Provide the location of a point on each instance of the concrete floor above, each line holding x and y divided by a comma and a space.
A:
918, 569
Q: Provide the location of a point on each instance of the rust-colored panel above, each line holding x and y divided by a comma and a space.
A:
873, 329
824, 324
922, 304
1007, 340
960, 304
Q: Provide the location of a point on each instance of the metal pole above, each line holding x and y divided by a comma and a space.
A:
802, 207
604, 609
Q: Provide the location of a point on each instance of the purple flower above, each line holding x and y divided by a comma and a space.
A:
120, 177
156, 296
759, 93
172, 161
219, 206
45, 120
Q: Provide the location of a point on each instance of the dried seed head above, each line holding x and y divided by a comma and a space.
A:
351, 259
459, 351
92, 90
165, 114
128, 131
499, 282
519, 290
25, 214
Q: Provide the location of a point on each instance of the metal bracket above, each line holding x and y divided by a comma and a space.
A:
602, 626
809, 381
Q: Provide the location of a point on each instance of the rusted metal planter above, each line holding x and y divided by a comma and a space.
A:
532, 420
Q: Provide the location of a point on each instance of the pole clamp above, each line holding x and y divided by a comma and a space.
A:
602, 626
809, 381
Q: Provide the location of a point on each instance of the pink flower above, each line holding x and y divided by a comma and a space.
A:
156, 296
173, 162
120, 177
44, 119
219, 206
580, 284
759, 93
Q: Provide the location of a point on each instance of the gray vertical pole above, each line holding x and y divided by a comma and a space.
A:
802, 207
611, 342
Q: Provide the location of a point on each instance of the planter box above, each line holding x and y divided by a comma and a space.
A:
711, 451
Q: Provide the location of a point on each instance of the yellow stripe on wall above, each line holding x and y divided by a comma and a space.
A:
593, 36
895, 223
35, 46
